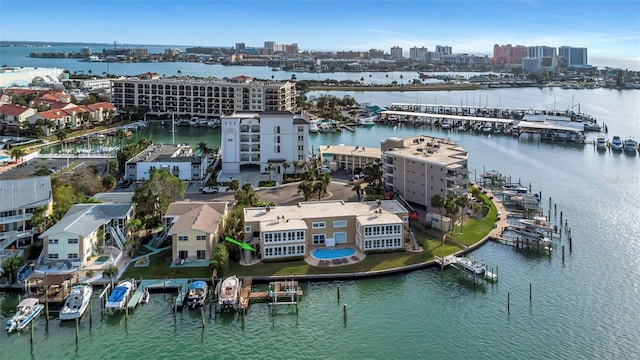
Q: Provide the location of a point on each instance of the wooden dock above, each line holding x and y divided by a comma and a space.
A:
245, 293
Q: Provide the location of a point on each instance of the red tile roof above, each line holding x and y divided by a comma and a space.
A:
12, 109
53, 114
101, 105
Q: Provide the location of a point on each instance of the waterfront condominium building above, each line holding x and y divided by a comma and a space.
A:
444, 49
179, 160
295, 230
418, 54
396, 52
541, 51
261, 143
202, 97
420, 167
508, 54
574, 56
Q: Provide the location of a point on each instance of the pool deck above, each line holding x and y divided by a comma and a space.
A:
353, 259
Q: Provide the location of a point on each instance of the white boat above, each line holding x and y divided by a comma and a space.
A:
77, 302
28, 309
313, 126
616, 143
472, 265
120, 295
228, 296
197, 294
630, 144
601, 142
527, 232
446, 124
539, 223
145, 296
487, 128
366, 121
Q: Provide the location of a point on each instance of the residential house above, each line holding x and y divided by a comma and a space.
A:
87, 231
19, 200
13, 115
179, 160
194, 228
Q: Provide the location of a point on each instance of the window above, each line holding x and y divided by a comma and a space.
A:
183, 254
300, 138
319, 225
73, 241
201, 255
183, 238
340, 223
53, 241
247, 229
72, 256
318, 239
53, 256
201, 238
300, 147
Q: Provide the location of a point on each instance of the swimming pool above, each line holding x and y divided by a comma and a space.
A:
101, 260
327, 253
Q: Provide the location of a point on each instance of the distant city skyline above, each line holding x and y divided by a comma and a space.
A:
606, 28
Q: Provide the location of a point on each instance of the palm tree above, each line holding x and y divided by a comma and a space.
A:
203, 148
451, 208
295, 168
298, 166
270, 169
462, 201
437, 201
179, 73
401, 79
387, 76
17, 154
285, 166
370, 79
318, 187
358, 190
306, 188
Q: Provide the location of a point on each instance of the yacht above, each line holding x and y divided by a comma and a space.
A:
197, 293
527, 232
28, 309
313, 126
487, 128
601, 142
367, 121
120, 295
630, 144
616, 143
228, 296
76, 303
446, 124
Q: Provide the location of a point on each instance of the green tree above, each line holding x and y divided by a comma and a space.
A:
154, 195
285, 166
17, 154
39, 218
296, 165
437, 201
10, 267
451, 207
220, 259
305, 187
111, 272
108, 182
203, 148
270, 168
358, 191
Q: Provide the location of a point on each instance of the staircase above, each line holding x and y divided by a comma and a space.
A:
155, 243
117, 235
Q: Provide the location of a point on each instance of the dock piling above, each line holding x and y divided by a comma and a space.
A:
563, 253
31, 334
338, 292
570, 247
90, 317
344, 313
508, 303
530, 290
77, 331
202, 315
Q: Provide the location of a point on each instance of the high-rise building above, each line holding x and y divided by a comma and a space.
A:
531, 64
239, 47
444, 49
263, 141
508, 54
574, 56
418, 54
202, 97
269, 48
540, 51
396, 52
375, 54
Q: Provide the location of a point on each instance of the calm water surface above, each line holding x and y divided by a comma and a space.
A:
583, 308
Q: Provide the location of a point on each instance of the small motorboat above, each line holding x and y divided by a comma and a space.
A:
197, 294
27, 310
77, 302
120, 295
476, 267
228, 297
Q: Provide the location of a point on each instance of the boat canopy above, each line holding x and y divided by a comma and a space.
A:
198, 285
28, 302
118, 294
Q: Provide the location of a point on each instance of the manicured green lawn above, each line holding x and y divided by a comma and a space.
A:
473, 231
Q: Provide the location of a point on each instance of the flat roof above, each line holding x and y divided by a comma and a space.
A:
369, 152
166, 153
431, 149
25, 193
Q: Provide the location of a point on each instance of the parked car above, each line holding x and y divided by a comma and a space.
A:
209, 190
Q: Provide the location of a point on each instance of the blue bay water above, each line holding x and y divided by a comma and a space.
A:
585, 307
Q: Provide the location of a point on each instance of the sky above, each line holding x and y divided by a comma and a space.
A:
609, 28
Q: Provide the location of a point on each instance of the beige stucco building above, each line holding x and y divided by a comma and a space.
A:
422, 166
294, 231
194, 227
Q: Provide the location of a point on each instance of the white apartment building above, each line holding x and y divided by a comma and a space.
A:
179, 160
251, 141
203, 97
294, 231
418, 54
420, 167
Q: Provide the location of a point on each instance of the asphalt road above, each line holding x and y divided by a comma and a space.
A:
27, 169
